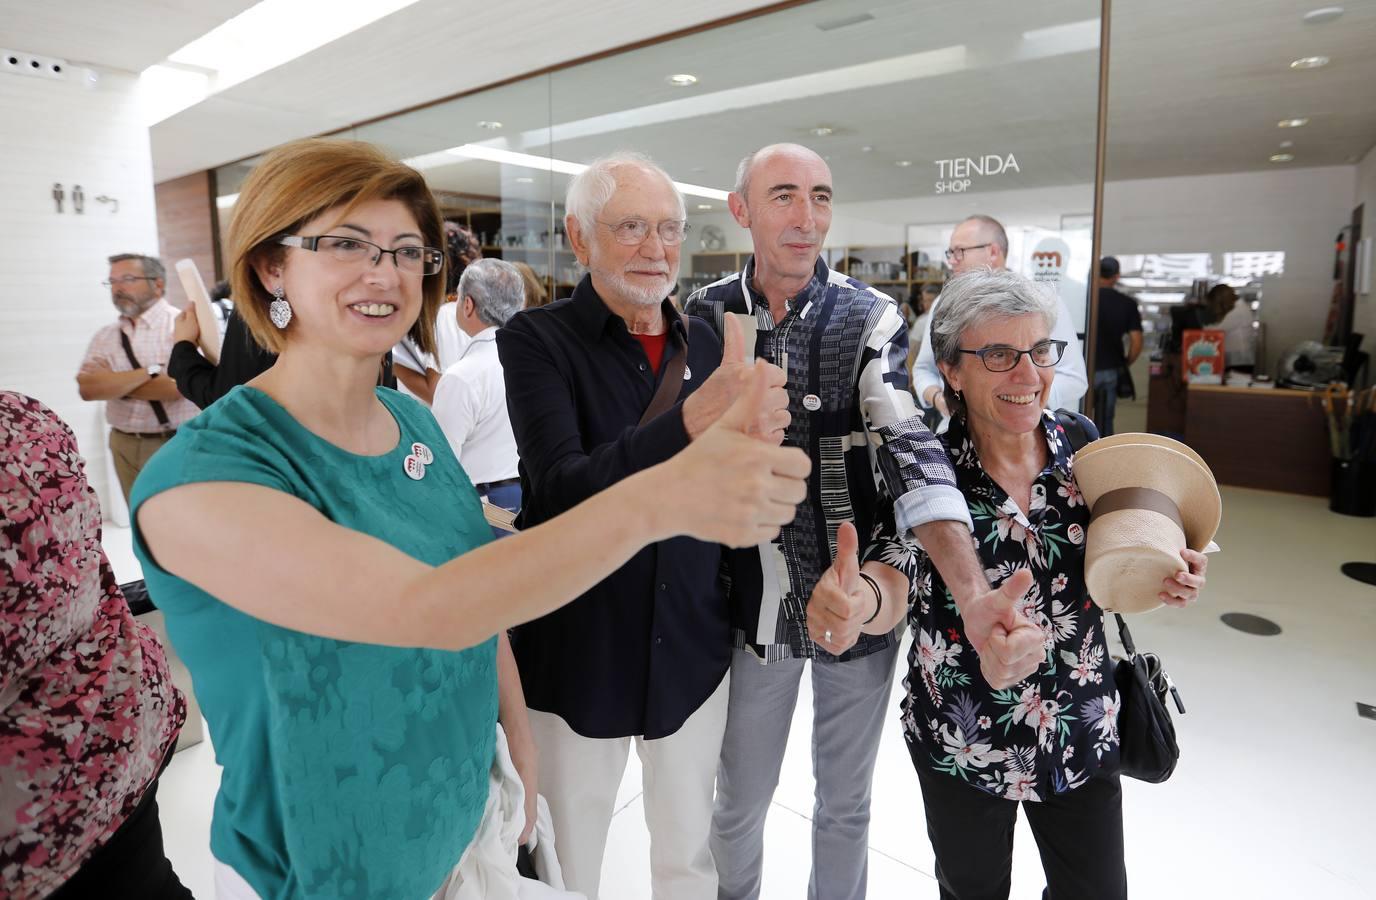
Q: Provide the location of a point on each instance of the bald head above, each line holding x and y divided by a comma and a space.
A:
754, 161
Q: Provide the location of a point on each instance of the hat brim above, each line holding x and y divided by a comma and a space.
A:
1142, 437
1180, 476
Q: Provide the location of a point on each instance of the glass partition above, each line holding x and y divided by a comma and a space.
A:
984, 107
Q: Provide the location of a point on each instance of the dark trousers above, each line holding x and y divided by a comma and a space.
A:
130, 864
1079, 835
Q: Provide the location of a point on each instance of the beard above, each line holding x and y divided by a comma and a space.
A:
635, 293
131, 308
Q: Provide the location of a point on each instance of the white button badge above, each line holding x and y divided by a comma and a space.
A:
414, 464
812, 402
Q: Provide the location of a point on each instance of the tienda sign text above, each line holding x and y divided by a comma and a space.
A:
955, 175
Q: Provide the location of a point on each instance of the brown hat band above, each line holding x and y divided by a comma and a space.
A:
1137, 498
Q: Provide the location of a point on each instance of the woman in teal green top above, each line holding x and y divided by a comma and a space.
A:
322, 559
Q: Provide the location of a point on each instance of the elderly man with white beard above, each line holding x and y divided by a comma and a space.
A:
601, 385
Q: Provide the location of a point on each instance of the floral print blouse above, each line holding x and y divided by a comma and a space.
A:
1051, 732
88, 712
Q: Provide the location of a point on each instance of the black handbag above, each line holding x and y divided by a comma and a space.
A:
1148, 749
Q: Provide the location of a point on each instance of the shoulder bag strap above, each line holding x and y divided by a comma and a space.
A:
134, 361
671, 384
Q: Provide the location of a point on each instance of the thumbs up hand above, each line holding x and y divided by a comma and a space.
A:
728, 486
841, 601
722, 387
1010, 646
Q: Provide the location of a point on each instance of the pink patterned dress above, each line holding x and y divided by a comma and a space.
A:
88, 712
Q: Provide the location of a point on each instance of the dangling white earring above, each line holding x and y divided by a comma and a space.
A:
279, 310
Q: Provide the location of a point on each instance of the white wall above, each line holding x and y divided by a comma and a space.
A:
1298, 211
51, 266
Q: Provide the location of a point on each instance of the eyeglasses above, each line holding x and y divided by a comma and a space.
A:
956, 254
126, 280
632, 232
1003, 359
413, 259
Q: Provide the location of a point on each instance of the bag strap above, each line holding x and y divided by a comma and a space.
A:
1079, 430
1125, 636
671, 384
134, 361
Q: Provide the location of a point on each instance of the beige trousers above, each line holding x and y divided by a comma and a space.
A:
131, 453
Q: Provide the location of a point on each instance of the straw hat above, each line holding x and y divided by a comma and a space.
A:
1151, 497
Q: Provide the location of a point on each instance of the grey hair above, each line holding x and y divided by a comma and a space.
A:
590, 189
743, 168
975, 297
152, 266
497, 289
993, 229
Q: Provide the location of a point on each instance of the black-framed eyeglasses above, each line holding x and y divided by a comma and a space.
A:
633, 231
1044, 355
956, 254
126, 280
412, 259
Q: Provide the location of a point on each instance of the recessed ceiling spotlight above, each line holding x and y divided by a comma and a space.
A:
524, 179
1310, 62
490, 125
682, 79
704, 206
1292, 123
904, 163
867, 149
1282, 157
1322, 15
1286, 145
823, 130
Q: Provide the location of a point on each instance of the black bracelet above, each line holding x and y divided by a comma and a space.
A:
878, 597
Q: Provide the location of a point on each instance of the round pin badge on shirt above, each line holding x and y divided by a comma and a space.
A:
413, 467
422, 452
812, 402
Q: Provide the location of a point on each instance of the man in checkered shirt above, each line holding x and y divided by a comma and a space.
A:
813, 591
124, 366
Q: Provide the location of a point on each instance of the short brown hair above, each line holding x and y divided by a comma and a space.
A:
296, 183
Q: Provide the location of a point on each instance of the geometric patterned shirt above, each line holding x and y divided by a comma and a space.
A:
844, 348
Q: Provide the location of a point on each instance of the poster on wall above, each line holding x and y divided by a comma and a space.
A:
1202, 352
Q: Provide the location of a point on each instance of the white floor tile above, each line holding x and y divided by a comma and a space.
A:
1273, 797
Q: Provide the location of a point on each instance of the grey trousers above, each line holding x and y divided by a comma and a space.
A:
848, 714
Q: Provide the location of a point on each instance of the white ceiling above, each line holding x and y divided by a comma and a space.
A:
1196, 88
130, 35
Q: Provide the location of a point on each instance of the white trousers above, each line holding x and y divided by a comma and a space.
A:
579, 778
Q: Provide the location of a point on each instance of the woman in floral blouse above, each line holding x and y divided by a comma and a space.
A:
1050, 741
88, 713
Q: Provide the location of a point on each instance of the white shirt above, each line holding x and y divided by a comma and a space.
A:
1066, 389
470, 405
450, 341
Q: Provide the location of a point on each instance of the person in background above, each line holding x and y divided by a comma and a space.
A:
241, 358
1234, 317
419, 373
124, 366
536, 295
88, 711
978, 242
1119, 320
921, 301
470, 400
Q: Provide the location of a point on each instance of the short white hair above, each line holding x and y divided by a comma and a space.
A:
590, 189
497, 289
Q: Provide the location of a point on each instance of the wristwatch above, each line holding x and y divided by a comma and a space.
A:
154, 370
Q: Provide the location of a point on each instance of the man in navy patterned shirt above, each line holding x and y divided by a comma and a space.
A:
876, 470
